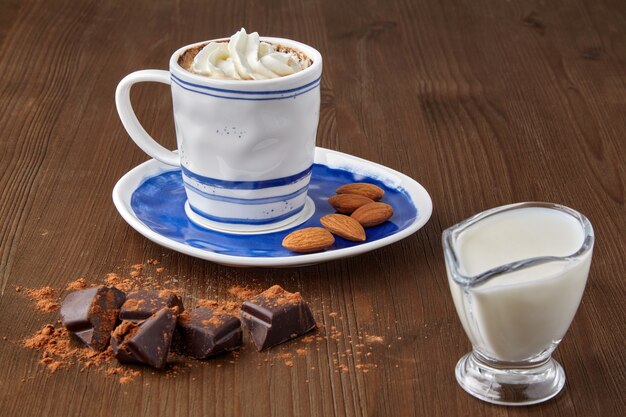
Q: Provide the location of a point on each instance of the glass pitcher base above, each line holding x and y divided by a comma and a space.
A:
510, 386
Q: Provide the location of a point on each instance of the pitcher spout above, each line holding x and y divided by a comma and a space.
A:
454, 238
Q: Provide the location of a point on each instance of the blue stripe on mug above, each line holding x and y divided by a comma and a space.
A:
223, 90
246, 98
247, 185
246, 221
247, 201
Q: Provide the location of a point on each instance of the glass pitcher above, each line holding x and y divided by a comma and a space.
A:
517, 274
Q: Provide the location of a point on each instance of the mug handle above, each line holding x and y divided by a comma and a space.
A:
129, 119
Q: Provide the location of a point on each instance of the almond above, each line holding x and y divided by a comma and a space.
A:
344, 226
347, 203
310, 239
373, 214
362, 188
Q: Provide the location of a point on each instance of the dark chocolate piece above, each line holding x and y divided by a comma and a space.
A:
92, 313
204, 332
145, 342
142, 304
275, 316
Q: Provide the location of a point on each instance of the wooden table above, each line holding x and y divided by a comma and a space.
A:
483, 102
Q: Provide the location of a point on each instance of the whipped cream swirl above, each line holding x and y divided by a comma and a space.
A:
245, 57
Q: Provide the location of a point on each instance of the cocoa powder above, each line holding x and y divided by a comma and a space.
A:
230, 307
79, 284
45, 298
242, 293
123, 284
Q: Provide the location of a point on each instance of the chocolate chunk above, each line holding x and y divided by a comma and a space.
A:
91, 314
142, 304
145, 342
204, 332
275, 316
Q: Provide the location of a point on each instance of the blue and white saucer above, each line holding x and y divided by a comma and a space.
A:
151, 198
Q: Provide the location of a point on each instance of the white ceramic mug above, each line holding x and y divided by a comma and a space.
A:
245, 147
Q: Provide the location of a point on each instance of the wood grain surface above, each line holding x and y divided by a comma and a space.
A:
484, 102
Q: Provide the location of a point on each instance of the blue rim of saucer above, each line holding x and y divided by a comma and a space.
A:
151, 198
